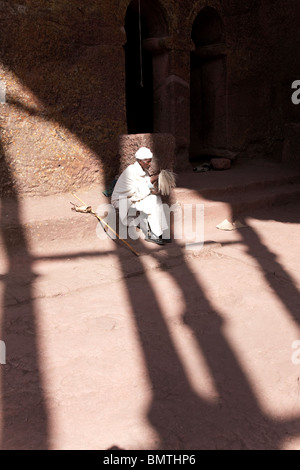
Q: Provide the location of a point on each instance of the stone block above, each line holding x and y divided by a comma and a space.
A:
161, 145
220, 163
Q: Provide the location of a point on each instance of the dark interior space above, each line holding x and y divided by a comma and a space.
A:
207, 28
139, 76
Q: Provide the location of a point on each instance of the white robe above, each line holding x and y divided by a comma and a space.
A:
133, 190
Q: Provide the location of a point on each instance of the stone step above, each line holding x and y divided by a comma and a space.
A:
246, 188
240, 201
219, 191
245, 176
76, 226
256, 204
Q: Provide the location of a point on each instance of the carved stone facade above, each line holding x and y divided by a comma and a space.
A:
75, 76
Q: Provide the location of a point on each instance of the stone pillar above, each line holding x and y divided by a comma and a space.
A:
171, 92
209, 133
178, 85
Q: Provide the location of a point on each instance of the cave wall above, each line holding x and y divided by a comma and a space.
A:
63, 96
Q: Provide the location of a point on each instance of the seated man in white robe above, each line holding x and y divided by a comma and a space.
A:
135, 188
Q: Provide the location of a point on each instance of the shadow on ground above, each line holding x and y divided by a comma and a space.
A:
180, 417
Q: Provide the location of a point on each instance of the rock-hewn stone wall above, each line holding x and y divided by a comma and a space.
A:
63, 68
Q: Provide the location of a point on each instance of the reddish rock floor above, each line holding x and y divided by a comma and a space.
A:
174, 349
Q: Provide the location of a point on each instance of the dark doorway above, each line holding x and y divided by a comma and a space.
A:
208, 103
139, 74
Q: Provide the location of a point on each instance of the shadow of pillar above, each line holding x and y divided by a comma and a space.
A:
24, 413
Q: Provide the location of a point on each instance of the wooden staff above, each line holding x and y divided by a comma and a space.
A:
88, 209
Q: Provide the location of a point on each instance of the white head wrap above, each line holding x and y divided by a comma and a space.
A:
143, 153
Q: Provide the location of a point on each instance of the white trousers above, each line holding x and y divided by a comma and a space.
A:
152, 206
152, 211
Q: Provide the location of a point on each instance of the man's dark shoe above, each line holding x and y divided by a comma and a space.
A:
166, 236
152, 239
165, 240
